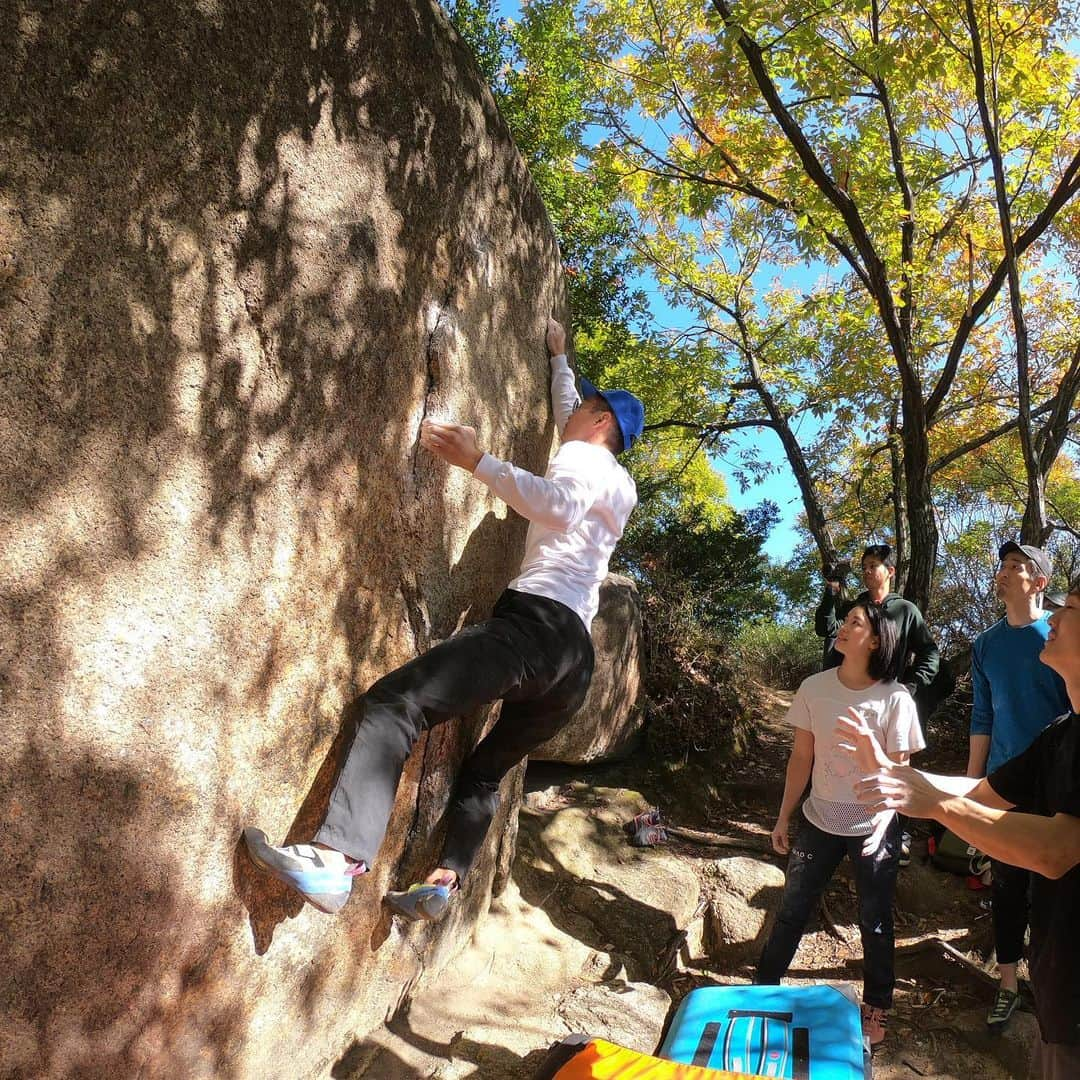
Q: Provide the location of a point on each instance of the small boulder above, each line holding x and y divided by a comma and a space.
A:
630, 1014
743, 893
578, 866
608, 724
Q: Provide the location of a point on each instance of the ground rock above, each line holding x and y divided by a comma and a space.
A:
626, 902
744, 892
1013, 1047
245, 248
630, 1014
608, 724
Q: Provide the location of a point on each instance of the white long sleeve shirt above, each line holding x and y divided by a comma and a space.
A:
576, 511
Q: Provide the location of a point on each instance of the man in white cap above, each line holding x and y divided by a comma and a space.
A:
1014, 697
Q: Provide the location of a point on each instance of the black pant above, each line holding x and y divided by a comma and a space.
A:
1009, 891
533, 653
814, 857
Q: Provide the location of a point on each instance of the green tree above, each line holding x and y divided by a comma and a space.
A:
538, 70
851, 141
716, 570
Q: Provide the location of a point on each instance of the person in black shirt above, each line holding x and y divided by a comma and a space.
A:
1027, 813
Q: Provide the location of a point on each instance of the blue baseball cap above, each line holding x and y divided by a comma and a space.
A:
628, 410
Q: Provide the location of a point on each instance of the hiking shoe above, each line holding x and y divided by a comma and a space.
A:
323, 878
649, 817
873, 1025
420, 903
1005, 1002
649, 835
905, 849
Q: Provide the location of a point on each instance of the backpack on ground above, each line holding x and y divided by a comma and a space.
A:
957, 856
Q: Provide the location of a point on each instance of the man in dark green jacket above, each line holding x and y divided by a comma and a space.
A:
922, 660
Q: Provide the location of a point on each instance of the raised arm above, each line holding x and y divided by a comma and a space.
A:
558, 500
564, 395
827, 618
971, 808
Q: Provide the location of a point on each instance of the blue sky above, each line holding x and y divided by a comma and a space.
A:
780, 487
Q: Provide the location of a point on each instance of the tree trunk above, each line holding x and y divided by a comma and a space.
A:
920, 509
815, 513
1036, 526
901, 532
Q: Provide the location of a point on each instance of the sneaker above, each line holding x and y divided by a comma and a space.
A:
649, 836
905, 849
323, 878
420, 903
1005, 1002
649, 817
873, 1025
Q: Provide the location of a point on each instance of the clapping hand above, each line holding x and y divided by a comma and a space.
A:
885, 785
858, 739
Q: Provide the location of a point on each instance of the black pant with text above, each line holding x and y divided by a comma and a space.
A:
814, 857
533, 653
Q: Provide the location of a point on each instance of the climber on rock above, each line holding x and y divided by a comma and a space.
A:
534, 653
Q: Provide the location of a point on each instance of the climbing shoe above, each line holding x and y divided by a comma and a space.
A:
323, 878
420, 903
649, 836
873, 1025
646, 829
1005, 1002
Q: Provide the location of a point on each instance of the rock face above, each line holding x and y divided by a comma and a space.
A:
244, 249
607, 725
629, 1014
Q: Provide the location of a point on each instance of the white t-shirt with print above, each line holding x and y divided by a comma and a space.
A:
889, 710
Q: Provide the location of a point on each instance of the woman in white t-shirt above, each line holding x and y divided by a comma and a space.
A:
833, 822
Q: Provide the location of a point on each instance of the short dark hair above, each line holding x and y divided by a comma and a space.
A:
886, 660
614, 435
882, 552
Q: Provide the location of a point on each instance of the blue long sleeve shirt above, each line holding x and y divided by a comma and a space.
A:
1015, 695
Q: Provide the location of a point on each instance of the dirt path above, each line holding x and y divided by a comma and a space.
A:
577, 941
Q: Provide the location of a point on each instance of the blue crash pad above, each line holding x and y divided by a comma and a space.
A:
797, 1032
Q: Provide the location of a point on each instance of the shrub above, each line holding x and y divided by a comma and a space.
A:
777, 655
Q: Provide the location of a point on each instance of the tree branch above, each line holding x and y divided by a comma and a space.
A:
986, 437
1067, 187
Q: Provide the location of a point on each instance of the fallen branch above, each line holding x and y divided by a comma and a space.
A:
711, 839
946, 952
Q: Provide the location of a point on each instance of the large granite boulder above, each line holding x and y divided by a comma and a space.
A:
244, 249
608, 724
